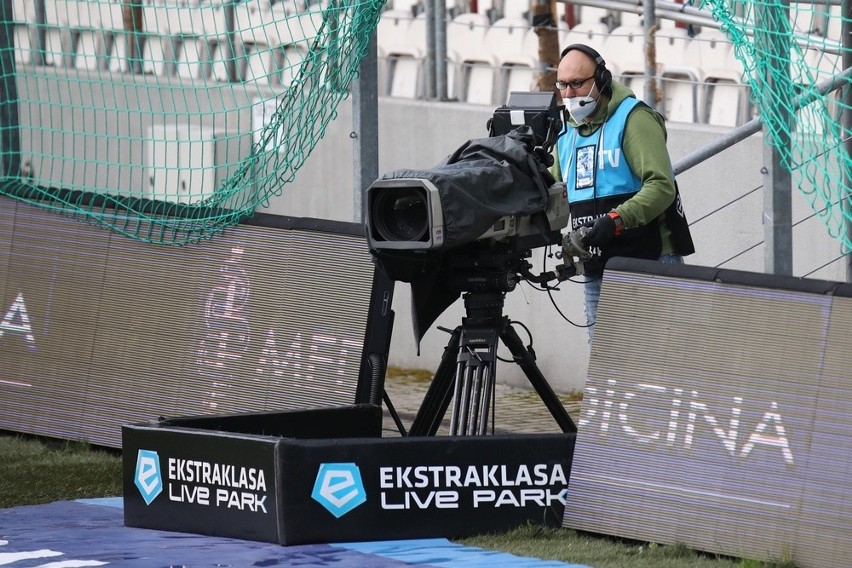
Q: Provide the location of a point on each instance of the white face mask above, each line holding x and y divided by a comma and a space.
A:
581, 108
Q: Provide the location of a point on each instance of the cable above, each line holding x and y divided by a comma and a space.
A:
826, 264
725, 205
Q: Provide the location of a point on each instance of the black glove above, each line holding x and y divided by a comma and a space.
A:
603, 230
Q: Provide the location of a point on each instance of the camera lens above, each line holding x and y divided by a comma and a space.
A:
400, 214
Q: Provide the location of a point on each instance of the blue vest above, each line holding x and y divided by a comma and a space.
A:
594, 169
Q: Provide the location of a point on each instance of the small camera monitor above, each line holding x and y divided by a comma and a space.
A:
538, 110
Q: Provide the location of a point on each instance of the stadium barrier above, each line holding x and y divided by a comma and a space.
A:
716, 414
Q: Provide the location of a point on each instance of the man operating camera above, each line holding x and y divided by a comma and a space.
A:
613, 157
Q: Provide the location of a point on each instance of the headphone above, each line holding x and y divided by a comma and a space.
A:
603, 76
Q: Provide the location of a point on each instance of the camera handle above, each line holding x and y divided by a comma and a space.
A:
467, 372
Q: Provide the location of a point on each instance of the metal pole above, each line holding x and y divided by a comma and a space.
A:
429, 61
775, 84
40, 47
440, 49
650, 26
230, 53
365, 129
10, 143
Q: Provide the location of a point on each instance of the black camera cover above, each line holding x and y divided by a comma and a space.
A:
482, 181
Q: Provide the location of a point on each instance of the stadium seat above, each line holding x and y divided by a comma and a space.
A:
58, 47
589, 15
589, 33
625, 52
807, 18
405, 62
516, 9
725, 96
680, 79
24, 17
288, 62
412, 7
83, 43
392, 30
630, 19
835, 23
820, 66
516, 63
250, 19
487, 8
291, 7
465, 38
506, 36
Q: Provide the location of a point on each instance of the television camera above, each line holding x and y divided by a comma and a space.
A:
468, 226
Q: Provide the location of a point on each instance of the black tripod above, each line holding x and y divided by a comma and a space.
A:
467, 372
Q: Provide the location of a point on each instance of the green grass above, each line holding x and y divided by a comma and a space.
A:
606, 552
35, 471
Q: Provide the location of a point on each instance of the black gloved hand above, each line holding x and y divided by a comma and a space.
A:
603, 230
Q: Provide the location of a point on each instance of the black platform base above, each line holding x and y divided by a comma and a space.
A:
328, 476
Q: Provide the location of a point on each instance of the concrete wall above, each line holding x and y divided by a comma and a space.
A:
419, 135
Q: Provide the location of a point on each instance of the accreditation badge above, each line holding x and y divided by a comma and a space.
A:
585, 172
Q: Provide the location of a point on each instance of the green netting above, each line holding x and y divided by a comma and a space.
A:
169, 120
788, 50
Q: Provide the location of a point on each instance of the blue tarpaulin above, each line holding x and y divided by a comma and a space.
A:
72, 534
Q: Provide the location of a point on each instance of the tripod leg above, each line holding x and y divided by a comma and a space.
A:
542, 387
437, 398
474, 377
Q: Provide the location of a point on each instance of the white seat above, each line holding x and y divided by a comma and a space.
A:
592, 34
506, 36
465, 38
590, 15
471, 65
486, 8
392, 30
24, 11
625, 49
412, 7
404, 61
254, 22
807, 18
835, 23
513, 61
631, 19
292, 7
625, 46
680, 79
158, 55
724, 97
24, 18
288, 62
191, 57
156, 16
516, 8
825, 108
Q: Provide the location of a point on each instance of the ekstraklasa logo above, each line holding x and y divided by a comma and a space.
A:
148, 479
339, 488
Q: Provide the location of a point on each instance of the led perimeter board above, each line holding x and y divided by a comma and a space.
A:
717, 413
98, 330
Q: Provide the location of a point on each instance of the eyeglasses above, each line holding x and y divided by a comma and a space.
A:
575, 84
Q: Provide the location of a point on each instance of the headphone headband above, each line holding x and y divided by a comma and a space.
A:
603, 76
591, 52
